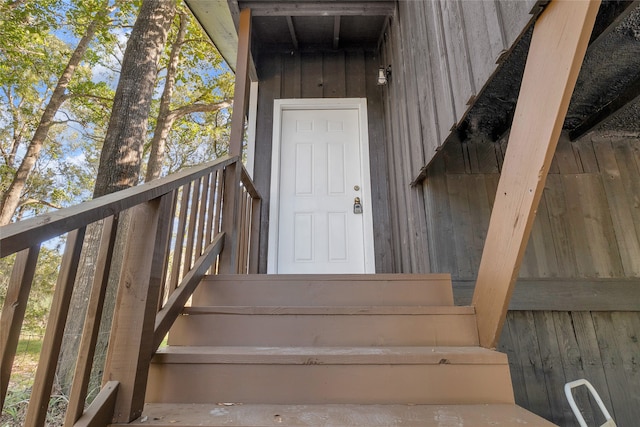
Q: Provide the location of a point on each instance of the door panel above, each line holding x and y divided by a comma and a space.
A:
320, 176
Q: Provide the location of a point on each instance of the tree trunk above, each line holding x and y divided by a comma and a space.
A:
121, 156
11, 198
163, 123
119, 168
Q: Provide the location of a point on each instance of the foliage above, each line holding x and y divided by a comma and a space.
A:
19, 393
36, 41
201, 79
41, 291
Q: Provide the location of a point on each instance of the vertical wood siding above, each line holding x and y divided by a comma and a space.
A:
442, 54
547, 349
324, 75
587, 226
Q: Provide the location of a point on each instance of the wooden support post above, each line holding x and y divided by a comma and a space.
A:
231, 206
241, 91
13, 310
182, 224
131, 341
558, 45
45, 374
230, 220
100, 411
254, 240
91, 328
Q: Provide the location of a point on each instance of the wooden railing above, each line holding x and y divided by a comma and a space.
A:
175, 234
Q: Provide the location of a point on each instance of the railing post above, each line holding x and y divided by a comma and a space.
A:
230, 209
45, 374
13, 311
254, 236
558, 45
241, 90
91, 328
231, 205
131, 341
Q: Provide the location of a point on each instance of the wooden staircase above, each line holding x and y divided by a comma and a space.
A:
357, 350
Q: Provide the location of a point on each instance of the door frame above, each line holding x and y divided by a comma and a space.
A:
281, 105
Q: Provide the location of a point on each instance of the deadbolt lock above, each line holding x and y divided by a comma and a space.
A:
357, 206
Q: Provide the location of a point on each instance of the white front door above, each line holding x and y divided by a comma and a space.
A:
320, 170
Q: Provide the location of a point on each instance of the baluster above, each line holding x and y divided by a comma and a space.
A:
177, 251
41, 392
91, 327
15, 304
191, 228
200, 232
254, 240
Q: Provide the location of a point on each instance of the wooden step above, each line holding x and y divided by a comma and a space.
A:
326, 326
321, 375
218, 415
325, 290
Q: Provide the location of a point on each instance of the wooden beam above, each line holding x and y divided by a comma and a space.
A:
560, 294
131, 339
177, 300
558, 45
86, 351
228, 257
629, 96
48, 362
336, 32
13, 310
100, 412
321, 8
230, 220
292, 31
254, 242
241, 94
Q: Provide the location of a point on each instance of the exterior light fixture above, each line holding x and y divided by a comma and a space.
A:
384, 75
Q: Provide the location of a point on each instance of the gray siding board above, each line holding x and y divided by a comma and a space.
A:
451, 51
356, 67
485, 44
424, 76
269, 89
458, 57
312, 78
442, 80
515, 17
357, 87
575, 311
334, 77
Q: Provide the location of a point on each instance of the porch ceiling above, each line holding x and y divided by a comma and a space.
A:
295, 25
304, 25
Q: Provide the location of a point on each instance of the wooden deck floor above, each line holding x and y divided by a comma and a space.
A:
229, 414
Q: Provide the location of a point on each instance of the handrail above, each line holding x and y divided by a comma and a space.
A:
205, 218
32, 231
248, 184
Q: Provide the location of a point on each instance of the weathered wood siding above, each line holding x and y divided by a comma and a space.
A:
324, 75
587, 229
587, 224
547, 349
442, 54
